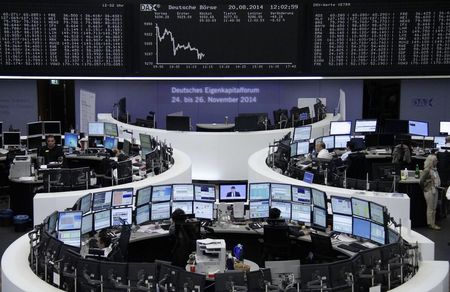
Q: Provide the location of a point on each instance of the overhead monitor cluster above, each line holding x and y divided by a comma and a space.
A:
224, 38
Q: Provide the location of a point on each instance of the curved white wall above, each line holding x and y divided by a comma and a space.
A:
218, 155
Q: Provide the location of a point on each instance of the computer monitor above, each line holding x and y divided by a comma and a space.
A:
178, 123
126, 147
102, 219
302, 133
70, 237
111, 129
11, 138
319, 198
85, 203
35, 128
418, 128
204, 210
101, 200
444, 127
96, 129
340, 141
233, 192
302, 148
183, 192
319, 218
160, 211
301, 212
52, 128
142, 214
34, 143
161, 193
377, 233
69, 220
186, 206
301, 194
328, 141
122, 197
52, 220
396, 127
341, 205
439, 141
293, 149
143, 196
308, 177
365, 126
280, 192
342, 223
110, 143
284, 207
360, 208
361, 228
244, 123
259, 191
205, 192
87, 224
146, 143
377, 213
259, 209
340, 128
283, 271
121, 213
71, 140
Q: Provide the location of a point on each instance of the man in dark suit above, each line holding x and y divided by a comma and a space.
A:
233, 193
51, 152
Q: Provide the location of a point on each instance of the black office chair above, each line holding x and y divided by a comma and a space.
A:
322, 248
277, 245
120, 249
356, 166
280, 118
186, 235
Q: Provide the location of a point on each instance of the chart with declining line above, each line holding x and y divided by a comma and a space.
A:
215, 37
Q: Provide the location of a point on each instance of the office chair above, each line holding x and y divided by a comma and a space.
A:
80, 178
356, 166
120, 248
186, 235
322, 248
277, 245
280, 118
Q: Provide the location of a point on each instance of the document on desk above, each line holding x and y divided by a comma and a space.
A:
151, 229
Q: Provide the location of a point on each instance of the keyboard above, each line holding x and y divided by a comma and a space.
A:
255, 225
358, 246
348, 247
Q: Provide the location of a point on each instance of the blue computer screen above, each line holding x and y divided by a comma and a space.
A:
308, 177
361, 228
259, 209
69, 220
259, 191
161, 193
71, 140
110, 143
301, 194
205, 192
418, 128
280, 192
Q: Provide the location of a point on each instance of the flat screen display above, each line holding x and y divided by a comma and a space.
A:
111, 130
71, 140
280, 192
366, 126
259, 191
186, 206
101, 200
439, 141
418, 128
342, 223
142, 214
301, 194
205, 193
259, 209
361, 228
121, 213
34, 142
87, 224
319, 198
360, 208
302, 148
35, 128
161, 193
308, 177
444, 127
69, 220
11, 138
143, 196
341, 205
110, 143
377, 213
160, 211
102, 220
301, 212
284, 207
377, 233
320, 218
204, 210
85, 203
233, 192
122, 197
302, 133
52, 128
183, 192
340, 141
341, 128
96, 129
70, 237
328, 141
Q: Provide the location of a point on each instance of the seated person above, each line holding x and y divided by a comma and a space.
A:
275, 220
322, 152
51, 152
349, 150
178, 216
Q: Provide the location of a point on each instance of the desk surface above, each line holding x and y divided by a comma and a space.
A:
215, 126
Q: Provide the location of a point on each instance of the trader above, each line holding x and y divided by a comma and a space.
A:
322, 152
51, 152
349, 150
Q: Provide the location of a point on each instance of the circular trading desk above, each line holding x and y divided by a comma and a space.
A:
219, 155
46, 203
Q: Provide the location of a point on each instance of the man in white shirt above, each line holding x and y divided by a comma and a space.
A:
322, 153
348, 151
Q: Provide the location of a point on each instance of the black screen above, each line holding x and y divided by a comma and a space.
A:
11, 138
35, 128
52, 128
